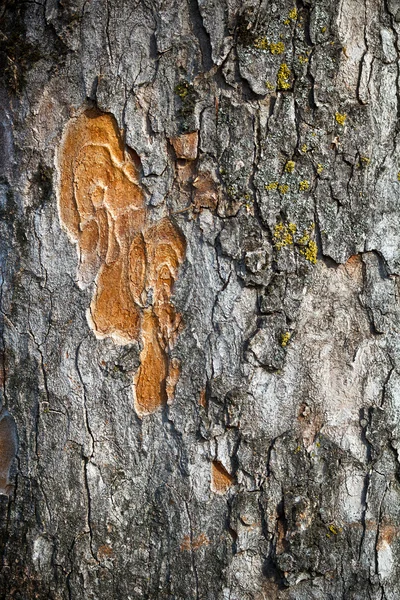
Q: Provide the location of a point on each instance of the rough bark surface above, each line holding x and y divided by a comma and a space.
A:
200, 255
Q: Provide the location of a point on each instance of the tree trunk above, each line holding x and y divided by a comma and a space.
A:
200, 249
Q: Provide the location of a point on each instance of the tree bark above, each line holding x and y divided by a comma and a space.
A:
200, 251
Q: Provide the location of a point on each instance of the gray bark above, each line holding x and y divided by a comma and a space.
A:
258, 301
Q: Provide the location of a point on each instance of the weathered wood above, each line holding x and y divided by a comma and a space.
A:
199, 253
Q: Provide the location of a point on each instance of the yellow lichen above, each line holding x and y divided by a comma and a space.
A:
277, 48
308, 248
340, 118
304, 148
333, 529
248, 202
305, 238
320, 168
365, 160
283, 188
269, 85
398, 176
271, 186
310, 252
283, 76
285, 337
293, 14
323, 29
303, 59
283, 235
182, 89
304, 185
261, 43
290, 166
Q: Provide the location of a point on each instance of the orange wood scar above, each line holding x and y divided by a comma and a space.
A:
189, 544
221, 480
133, 262
185, 145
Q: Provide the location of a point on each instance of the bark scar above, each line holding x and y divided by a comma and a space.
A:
133, 262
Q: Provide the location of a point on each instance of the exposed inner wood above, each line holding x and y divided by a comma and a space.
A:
134, 263
221, 480
8, 450
185, 145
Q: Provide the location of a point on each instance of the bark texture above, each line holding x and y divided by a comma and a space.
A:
200, 255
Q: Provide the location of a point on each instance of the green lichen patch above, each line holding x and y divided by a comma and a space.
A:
187, 96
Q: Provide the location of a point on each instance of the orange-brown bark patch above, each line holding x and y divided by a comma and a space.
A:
203, 398
195, 543
281, 536
134, 263
310, 423
8, 450
172, 379
185, 145
387, 533
221, 480
354, 267
206, 193
150, 392
2, 374
105, 552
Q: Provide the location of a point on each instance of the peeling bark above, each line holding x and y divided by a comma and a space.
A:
199, 296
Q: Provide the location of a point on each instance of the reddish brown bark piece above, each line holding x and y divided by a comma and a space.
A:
102, 207
206, 193
203, 398
189, 544
8, 450
185, 145
221, 480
